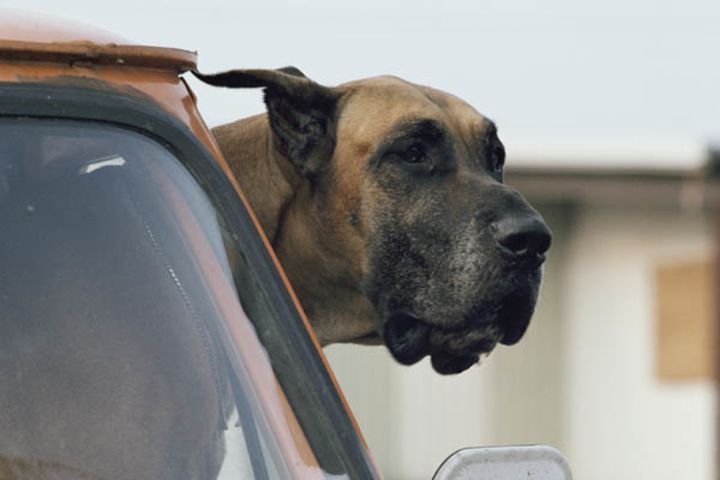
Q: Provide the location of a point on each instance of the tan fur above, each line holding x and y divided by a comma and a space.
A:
324, 254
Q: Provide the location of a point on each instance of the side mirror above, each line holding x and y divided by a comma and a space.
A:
538, 462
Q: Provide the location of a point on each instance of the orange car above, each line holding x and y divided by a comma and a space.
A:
146, 327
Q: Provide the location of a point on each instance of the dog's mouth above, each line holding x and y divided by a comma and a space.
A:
456, 347
410, 339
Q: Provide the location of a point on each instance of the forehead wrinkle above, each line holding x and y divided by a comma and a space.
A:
392, 131
417, 126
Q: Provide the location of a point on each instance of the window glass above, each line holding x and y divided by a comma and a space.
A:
125, 352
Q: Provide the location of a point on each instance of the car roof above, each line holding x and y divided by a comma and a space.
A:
36, 37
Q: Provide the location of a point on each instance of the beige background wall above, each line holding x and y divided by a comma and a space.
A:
623, 422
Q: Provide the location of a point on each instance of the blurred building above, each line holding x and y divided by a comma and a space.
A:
617, 367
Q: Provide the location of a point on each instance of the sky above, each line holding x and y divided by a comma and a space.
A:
552, 71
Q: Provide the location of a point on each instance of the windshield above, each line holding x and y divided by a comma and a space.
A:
125, 350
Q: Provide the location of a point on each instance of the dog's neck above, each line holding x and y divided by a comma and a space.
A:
279, 196
267, 178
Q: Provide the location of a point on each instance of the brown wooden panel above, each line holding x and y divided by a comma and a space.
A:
685, 327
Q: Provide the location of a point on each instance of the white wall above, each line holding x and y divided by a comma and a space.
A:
623, 422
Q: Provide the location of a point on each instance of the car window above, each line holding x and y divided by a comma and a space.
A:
115, 288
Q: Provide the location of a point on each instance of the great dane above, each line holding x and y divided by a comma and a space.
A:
386, 205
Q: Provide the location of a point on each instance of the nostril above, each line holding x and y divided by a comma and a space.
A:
522, 236
519, 243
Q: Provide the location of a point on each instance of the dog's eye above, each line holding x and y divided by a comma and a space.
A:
415, 154
495, 155
497, 158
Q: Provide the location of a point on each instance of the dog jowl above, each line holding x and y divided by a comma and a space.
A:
386, 204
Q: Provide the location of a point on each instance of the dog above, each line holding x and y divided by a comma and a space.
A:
385, 203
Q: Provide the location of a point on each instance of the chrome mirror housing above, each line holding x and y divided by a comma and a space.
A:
539, 462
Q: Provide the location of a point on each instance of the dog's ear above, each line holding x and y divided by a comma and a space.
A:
301, 112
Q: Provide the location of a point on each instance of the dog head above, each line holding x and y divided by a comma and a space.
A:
402, 215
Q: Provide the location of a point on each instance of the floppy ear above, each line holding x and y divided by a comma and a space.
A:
301, 112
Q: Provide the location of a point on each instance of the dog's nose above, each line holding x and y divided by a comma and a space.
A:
525, 236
